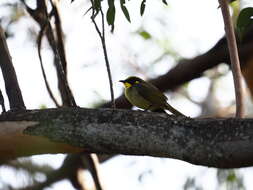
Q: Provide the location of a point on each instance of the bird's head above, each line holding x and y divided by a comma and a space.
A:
130, 81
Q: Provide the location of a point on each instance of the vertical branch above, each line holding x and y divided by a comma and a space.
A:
234, 58
102, 38
60, 71
41, 16
92, 163
11, 83
59, 35
39, 39
2, 102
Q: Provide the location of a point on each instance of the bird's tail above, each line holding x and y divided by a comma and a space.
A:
173, 110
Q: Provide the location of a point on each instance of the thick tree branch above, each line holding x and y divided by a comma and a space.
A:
223, 143
11, 83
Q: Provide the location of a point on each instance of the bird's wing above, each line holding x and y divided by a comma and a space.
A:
151, 93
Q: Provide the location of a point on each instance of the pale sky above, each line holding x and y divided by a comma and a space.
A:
190, 28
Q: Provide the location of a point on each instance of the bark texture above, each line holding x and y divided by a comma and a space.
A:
222, 143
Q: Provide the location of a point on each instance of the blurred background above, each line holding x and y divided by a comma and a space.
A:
147, 47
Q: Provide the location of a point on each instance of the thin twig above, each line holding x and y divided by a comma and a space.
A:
39, 39
234, 58
59, 35
60, 70
37, 15
102, 38
43, 18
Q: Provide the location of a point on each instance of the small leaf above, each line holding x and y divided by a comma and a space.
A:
110, 15
244, 21
145, 34
143, 5
165, 2
124, 10
110, 3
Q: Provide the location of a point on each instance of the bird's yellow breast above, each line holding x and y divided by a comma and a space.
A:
136, 99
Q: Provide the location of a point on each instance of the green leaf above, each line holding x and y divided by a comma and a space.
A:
124, 10
110, 3
244, 21
110, 15
165, 2
145, 34
143, 5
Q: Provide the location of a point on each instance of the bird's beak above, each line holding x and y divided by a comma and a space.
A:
126, 84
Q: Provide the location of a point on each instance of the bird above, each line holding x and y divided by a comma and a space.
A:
145, 95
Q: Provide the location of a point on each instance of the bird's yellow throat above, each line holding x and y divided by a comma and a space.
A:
127, 85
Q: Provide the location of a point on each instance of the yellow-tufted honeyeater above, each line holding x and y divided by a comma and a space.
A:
146, 96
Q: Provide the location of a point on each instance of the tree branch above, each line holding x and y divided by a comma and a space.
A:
11, 83
102, 38
235, 62
222, 143
41, 16
62, 78
2, 102
57, 46
39, 40
59, 35
89, 161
